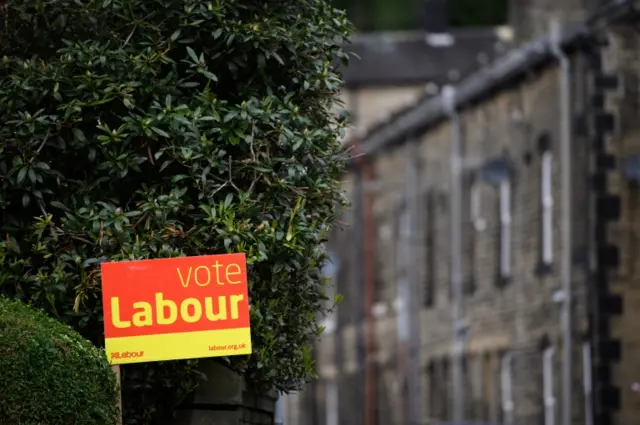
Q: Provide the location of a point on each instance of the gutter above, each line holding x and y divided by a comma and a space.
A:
516, 65
430, 111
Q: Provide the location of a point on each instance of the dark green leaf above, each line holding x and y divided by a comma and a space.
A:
160, 132
78, 135
192, 54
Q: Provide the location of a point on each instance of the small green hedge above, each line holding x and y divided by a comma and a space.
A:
49, 374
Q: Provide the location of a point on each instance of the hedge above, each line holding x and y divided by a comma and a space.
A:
165, 128
50, 374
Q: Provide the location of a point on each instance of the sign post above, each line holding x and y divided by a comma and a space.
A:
116, 370
175, 309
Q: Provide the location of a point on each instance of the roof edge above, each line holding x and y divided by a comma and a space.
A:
430, 110
497, 31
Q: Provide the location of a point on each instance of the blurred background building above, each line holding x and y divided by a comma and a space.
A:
489, 261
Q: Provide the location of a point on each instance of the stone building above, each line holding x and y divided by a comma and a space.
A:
481, 216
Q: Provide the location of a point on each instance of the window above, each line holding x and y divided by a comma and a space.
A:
489, 389
430, 230
447, 393
474, 224
329, 270
507, 388
404, 240
479, 223
468, 385
331, 402
547, 386
432, 391
438, 383
505, 228
401, 248
385, 400
477, 387
384, 249
402, 310
586, 378
315, 392
403, 263
546, 200
497, 172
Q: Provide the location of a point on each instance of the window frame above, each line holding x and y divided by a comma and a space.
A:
430, 248
479, 223
505, 228
548, 390
474, 224
587, 382
332, 402
546, 203
506, 388
404, 238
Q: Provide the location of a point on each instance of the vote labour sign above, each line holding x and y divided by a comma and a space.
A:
176, 308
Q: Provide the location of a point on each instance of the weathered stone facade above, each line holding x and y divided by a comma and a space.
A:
515, 316
616, 141
516, 121
531, 18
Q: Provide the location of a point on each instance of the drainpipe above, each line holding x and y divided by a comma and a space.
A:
369, 281
566, 253
459, 328
412, 302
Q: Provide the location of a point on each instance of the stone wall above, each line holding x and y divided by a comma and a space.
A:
516, 316
370, 105
513, 316
225, 399
616, 136
519, 316
530, 18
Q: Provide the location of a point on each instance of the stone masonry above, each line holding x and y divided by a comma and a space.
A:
515, 316
519, 317
530, 18
616, 137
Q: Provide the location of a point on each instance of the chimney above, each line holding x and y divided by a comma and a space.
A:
435, 16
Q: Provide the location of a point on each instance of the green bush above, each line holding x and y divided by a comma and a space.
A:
49, 374
163, 128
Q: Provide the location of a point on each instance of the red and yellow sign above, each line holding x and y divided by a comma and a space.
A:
176, 308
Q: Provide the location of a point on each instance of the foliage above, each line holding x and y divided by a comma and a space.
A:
163, 128
471, 13
378, 15
50, 374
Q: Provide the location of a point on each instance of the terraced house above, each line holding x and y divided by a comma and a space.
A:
490, 260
